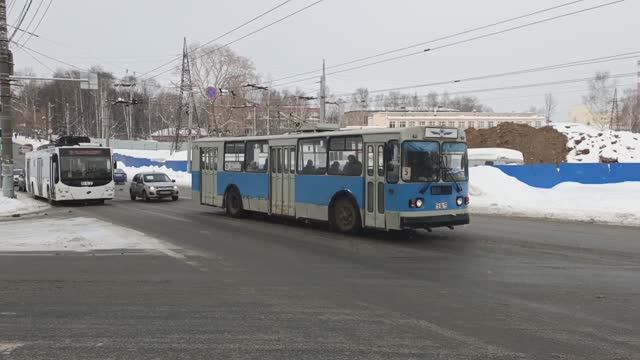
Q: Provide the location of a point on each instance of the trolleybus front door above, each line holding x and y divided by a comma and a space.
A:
374, 185
208, 171
282, 178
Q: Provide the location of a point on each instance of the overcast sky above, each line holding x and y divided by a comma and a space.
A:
142, 34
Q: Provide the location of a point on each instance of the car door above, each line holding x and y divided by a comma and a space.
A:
134, 185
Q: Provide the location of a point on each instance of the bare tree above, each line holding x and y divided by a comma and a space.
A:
432, 100
630, 111
598, 100
550, 105
223, 68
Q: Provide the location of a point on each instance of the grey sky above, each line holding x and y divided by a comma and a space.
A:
141, 34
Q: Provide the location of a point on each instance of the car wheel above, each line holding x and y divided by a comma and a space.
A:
145, 196
345, 216
132, 196
174, 198
233, 203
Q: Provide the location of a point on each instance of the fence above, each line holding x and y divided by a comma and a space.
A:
548, 175
130, 161
537, 175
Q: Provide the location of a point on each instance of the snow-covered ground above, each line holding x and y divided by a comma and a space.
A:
494, 192
74, 234
182, 178
22, 205
589, 145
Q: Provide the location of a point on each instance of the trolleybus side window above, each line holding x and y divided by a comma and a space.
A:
312, 156
393, 162
380, 160
370, 161
234, 156
292, 164
257, 155
345, 156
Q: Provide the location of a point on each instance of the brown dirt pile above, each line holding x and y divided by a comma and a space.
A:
543, 145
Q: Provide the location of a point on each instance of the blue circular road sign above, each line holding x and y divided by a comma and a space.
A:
212, 92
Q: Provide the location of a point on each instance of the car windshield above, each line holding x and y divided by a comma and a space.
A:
420, 161
154, 178
455, 162
118, 171
18, 172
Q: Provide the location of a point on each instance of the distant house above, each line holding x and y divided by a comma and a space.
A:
169, 134
451, 119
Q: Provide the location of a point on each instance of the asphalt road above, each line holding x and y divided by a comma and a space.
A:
259, 288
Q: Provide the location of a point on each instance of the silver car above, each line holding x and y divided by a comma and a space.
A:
153, 185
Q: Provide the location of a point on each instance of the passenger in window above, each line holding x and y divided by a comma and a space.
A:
335, 168
353, 167
253, 166
309, 168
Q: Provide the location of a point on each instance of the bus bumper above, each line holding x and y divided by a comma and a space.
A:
428, 222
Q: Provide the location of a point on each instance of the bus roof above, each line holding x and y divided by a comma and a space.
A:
341, 132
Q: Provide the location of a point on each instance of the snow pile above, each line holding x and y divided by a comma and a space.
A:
20, 206
74, 234
182, 178
479, 156
494, 192
590, 145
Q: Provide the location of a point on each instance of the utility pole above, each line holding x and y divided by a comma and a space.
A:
186, 88
268, 112
49, 122
323, 110
66, 118
6, 115
615, 116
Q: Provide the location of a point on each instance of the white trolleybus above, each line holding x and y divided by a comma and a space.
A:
70, 169
396, 178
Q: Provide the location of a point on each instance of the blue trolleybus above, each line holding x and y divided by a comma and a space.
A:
397, 178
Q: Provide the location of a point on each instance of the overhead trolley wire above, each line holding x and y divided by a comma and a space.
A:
461, 41
223, 35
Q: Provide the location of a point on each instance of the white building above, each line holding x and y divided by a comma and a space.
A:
462, 120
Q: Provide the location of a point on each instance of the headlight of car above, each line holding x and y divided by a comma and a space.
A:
175, 187
151, 188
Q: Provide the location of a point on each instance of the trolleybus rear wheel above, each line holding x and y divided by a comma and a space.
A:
345, 217
233, 203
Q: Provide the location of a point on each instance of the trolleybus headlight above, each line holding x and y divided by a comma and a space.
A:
459, 201
416, 203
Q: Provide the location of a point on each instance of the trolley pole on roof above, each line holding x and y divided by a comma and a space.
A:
6, 118
323, 84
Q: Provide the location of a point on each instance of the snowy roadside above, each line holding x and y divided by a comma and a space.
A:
22, 205
494, 192
80, 234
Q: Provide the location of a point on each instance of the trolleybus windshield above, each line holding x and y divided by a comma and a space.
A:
81, 165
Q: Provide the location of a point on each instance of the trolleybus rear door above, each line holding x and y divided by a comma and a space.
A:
374, 185
208, 171
283, 180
